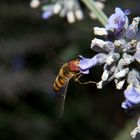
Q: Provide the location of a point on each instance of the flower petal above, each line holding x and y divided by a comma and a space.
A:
132, 94
86, 63
117, 20
47, 13
137, 53
126, 104
127, 12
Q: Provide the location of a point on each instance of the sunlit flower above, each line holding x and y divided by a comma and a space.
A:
117, 20
118, 54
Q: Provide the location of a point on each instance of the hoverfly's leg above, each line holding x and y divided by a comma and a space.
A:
77, 78
83, 83
63, 95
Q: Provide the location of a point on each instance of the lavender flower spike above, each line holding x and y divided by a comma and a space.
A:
117, 20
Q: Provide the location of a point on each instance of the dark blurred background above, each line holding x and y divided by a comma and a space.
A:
31, 50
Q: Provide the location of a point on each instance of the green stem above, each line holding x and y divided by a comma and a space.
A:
101, 16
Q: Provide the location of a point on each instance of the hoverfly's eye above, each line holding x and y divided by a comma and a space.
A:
73, 65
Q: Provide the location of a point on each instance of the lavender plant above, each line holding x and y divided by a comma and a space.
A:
119, 53
70, 9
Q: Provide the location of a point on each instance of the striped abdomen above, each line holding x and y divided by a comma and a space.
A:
59, 83
61, 79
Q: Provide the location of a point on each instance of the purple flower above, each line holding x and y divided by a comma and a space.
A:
47, 13
86, 63
117, 20
126, 104
132, 95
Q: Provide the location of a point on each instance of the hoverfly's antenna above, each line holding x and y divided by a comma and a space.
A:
53, 53
63, 100
84, 83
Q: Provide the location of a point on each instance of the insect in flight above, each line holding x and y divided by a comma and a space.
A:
68, 71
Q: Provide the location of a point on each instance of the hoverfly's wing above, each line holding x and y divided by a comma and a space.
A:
53, 59
60, 98
63, 98
54, 63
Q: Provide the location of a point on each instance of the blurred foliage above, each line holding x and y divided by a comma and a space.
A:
31, 52
124, 134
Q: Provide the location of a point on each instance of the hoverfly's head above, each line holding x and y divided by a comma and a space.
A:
74, 65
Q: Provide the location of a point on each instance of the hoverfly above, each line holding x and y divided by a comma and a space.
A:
69, 70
